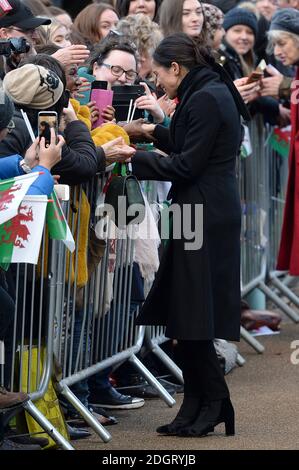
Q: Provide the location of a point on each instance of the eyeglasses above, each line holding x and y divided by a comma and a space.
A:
118, 71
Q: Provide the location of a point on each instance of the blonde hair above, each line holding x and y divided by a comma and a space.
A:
47, 32
275, 35
249, 6
142, 31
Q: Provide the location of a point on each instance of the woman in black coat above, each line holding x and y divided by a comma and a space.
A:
196, 294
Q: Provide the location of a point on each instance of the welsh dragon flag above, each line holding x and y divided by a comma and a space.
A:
12, 192
57, 224
20, 237
280, 140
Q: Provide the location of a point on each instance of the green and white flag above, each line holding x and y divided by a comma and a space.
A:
280, 140
20, 237
12, 192
57, 224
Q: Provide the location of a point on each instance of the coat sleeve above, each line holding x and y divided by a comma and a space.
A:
162, 136
44, 184
202, 129
79, 162
16, 142
9, 167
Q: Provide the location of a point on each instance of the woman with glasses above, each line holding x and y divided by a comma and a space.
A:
115, 62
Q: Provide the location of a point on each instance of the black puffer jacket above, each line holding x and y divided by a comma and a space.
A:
80, 160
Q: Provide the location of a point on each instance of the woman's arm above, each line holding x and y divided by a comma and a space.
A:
9, 167
201, 133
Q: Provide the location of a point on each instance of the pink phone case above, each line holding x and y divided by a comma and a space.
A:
103, 98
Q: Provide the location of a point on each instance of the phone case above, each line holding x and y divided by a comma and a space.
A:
86, 94
103, 98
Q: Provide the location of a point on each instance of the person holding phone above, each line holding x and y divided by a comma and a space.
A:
114, 62
238, 59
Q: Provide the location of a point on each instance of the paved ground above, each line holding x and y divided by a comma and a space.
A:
265, 393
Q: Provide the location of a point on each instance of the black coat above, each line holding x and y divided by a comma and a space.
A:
79, 159
196, 294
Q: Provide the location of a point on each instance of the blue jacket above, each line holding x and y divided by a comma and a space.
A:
10, 167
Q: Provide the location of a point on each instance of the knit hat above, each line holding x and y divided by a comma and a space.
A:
240, 16
33, 86
286, 19
213, 19
6, 111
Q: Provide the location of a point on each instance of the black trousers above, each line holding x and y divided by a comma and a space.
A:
201, 369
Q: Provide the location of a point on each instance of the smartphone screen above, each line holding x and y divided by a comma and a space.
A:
46, 121
99, 85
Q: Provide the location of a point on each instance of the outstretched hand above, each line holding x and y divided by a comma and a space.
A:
118, 151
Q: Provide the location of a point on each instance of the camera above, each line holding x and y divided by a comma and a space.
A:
14, 46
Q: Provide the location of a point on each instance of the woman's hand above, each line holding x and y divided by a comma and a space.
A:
167, 105
75, 54
83, 88
138, 131
108, 114
117, 151
69, 114
150, 104
94, 111
51, 155
248, 91
270, 85
32, 155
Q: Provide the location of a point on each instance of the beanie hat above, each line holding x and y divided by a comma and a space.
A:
6, 111
33, 86
213, 19
286, 19
240, 16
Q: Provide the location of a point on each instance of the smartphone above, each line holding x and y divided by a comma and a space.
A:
254, 77
123, 95
85, 98
102, 98
99, 85
46, 121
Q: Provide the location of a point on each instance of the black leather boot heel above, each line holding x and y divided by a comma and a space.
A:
186, 415
211, 414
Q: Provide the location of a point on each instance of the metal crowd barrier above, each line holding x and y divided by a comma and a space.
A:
100, 333
31, 366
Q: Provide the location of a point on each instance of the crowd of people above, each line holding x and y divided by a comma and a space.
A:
205, 69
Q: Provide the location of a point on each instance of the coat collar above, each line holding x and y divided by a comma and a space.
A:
196, 79
193, 81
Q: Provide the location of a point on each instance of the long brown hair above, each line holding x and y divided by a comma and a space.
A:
171, 14
86, 22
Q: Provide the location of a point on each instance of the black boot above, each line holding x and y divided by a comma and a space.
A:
211, 414
186, 415
192, 397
